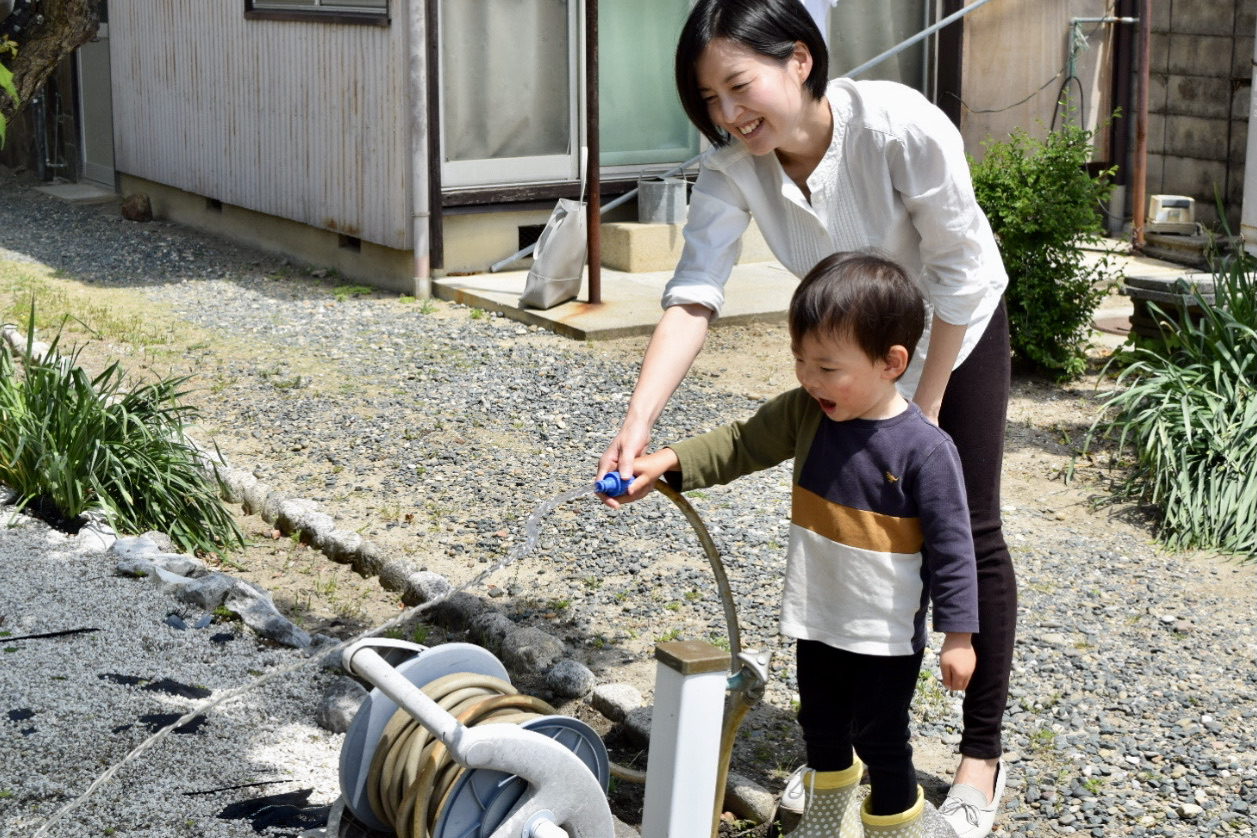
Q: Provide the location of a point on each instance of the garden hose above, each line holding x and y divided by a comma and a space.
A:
412, 773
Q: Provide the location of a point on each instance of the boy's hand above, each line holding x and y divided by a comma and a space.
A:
957, 660
646, 470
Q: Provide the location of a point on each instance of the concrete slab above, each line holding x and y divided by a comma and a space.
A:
757, 292
78, 193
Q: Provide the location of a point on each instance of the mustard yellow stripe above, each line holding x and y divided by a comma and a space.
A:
856, 527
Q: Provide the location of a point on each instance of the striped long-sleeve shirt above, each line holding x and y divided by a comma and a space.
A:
879, 521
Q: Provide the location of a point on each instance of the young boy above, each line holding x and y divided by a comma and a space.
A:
879, 527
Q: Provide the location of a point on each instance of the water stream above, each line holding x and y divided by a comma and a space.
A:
532, 533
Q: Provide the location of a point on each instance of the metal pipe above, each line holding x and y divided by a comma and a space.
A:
419, 127
436, 221
593, 225
1140, 186
920, 36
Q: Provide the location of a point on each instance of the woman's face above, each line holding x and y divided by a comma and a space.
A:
756, 98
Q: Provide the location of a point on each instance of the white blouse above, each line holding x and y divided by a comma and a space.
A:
894, 179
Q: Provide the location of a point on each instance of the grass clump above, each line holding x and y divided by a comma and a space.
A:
1186, 407
81, 443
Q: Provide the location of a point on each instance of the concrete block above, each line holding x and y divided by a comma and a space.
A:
1158, 93
1198, 96
1156, 173
1160, 18
1191, 136
1200, 55
1242, 58
1156, 132
1159, 46
1202, 17
639, 248
1197, 178
1241, 107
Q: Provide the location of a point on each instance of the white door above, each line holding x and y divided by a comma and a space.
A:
96, 106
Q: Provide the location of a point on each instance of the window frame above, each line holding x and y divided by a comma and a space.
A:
317, 14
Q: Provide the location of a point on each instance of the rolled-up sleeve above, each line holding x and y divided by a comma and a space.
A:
960, 258
717, 217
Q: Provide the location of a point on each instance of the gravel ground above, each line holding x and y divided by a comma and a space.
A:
434, 430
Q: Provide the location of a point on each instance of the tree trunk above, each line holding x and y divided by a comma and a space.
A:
66, 26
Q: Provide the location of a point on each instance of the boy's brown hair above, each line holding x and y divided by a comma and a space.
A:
862, 297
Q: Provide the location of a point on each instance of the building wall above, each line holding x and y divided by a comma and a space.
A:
1202, 69
1201, 72
305, 121
1016, 66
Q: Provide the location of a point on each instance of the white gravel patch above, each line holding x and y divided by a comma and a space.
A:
75, 705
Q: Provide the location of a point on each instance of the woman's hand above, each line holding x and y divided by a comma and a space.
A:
957, 660
675, 343
627, 446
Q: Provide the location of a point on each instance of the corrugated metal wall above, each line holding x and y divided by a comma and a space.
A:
306, 121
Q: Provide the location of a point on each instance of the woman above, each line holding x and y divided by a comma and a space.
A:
842, 165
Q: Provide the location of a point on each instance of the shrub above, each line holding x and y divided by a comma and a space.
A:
1043, 207
1187, 407
82, 443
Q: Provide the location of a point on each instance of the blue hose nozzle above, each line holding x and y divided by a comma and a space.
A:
613, 485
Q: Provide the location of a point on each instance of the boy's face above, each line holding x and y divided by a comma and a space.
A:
845, 381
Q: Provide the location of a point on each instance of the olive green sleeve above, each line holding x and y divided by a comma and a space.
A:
770, 436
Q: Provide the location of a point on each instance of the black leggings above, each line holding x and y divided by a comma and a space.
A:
849, 701
974, 412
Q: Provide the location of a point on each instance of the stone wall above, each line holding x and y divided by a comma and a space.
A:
1201, 81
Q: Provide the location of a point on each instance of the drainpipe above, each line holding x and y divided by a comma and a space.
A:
418, 89
1119, 138
1139, 191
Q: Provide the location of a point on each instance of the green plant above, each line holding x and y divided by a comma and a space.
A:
1043, 205
79, 443
1187, 409
6, 85
344, 292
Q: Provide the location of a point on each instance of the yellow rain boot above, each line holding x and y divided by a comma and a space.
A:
909, 824
830, 809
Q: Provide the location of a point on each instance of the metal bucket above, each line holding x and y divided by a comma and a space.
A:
661, 200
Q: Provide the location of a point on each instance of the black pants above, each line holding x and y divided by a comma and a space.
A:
849, 701
974, 412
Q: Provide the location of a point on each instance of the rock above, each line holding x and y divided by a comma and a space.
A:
527, 649
747, 799
459, 610
255, 608
570, 679
615, 701
490, 628
424, 586
208, 592
163, 542
637, 725
340, 704
370, 559
137, 207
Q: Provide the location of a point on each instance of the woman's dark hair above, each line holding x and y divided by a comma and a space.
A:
769, 27
862, 297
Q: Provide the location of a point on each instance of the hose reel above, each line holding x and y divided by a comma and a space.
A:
445, 747
430, 769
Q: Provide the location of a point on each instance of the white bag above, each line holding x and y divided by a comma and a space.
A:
559, 258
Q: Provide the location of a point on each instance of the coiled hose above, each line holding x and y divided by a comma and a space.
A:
412, 772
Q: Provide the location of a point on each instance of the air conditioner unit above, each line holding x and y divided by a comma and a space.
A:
1171, 214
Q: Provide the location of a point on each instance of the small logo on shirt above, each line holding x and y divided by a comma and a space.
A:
890, 478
